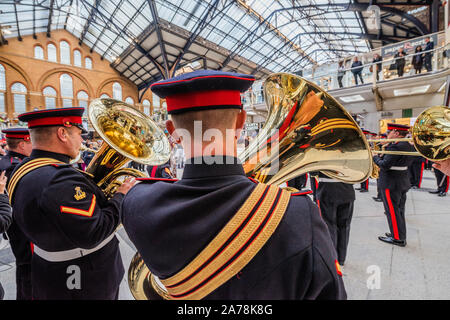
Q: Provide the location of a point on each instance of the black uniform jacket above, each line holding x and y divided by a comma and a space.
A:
5, 213
19, 243
394, 179
334, 192
170, 223
59, 208
9, 161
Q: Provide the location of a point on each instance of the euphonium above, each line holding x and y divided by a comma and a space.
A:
127, 134
311, 132
306, 130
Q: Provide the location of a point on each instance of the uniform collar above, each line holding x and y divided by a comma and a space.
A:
212, 167
16, 154
36, 153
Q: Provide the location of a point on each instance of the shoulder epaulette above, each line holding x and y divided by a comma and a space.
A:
156, 179
301, 193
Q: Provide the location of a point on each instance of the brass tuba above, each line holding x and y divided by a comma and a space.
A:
127, 134
306, 130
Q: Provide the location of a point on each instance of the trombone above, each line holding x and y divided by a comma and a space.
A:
430, 135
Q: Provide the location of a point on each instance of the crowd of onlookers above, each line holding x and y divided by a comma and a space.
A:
421, 58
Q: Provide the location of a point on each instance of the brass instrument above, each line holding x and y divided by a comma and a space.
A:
430, 135
311, 132
128, 134
306, 130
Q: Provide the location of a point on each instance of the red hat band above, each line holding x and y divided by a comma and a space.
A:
25, 137
398, 128
54, 121
193, 100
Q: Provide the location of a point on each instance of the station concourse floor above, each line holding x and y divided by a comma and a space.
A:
373, 270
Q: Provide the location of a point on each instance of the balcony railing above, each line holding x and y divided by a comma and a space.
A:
440, 60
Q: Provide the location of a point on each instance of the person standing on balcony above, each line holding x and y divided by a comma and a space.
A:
357, 68
341, 73
377, 59
417, 61
400, 62
428, 55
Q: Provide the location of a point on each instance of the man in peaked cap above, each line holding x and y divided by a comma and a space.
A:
216, 243
67, 218
19, 147
394, 183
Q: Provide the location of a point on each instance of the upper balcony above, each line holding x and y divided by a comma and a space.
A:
385, 90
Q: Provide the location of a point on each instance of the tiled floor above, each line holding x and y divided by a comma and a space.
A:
373, 269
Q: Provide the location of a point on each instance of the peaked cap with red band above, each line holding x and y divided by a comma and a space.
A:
66, 117
17, 133
398, 127
203, 90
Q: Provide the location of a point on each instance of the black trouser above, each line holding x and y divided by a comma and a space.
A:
441, 180
400, 69
340, 81
355, 75
427, 62
415, 171
338, 219
394, 208
365, 185
23, 282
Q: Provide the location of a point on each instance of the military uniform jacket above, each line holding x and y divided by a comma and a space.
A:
5, 213
59, 208
19, 244
9, 161
170, 223
395, 179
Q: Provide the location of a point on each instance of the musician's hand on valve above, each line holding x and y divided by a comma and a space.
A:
126, 185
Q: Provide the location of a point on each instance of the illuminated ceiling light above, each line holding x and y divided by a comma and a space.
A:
409, 91
354, 98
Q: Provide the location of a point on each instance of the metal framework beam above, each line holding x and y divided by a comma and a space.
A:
89, 20
50, 16
17, 23
155, 17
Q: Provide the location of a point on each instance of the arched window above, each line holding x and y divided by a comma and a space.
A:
88, 63
146, 105
77, 58
117, 91
64, 52
83, 99
38, 52
51, 53
50, 97
66, 89
19, 92
2, 88
105, 96
129, 100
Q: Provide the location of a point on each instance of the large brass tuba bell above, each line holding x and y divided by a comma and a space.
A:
128, 134
306, 130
